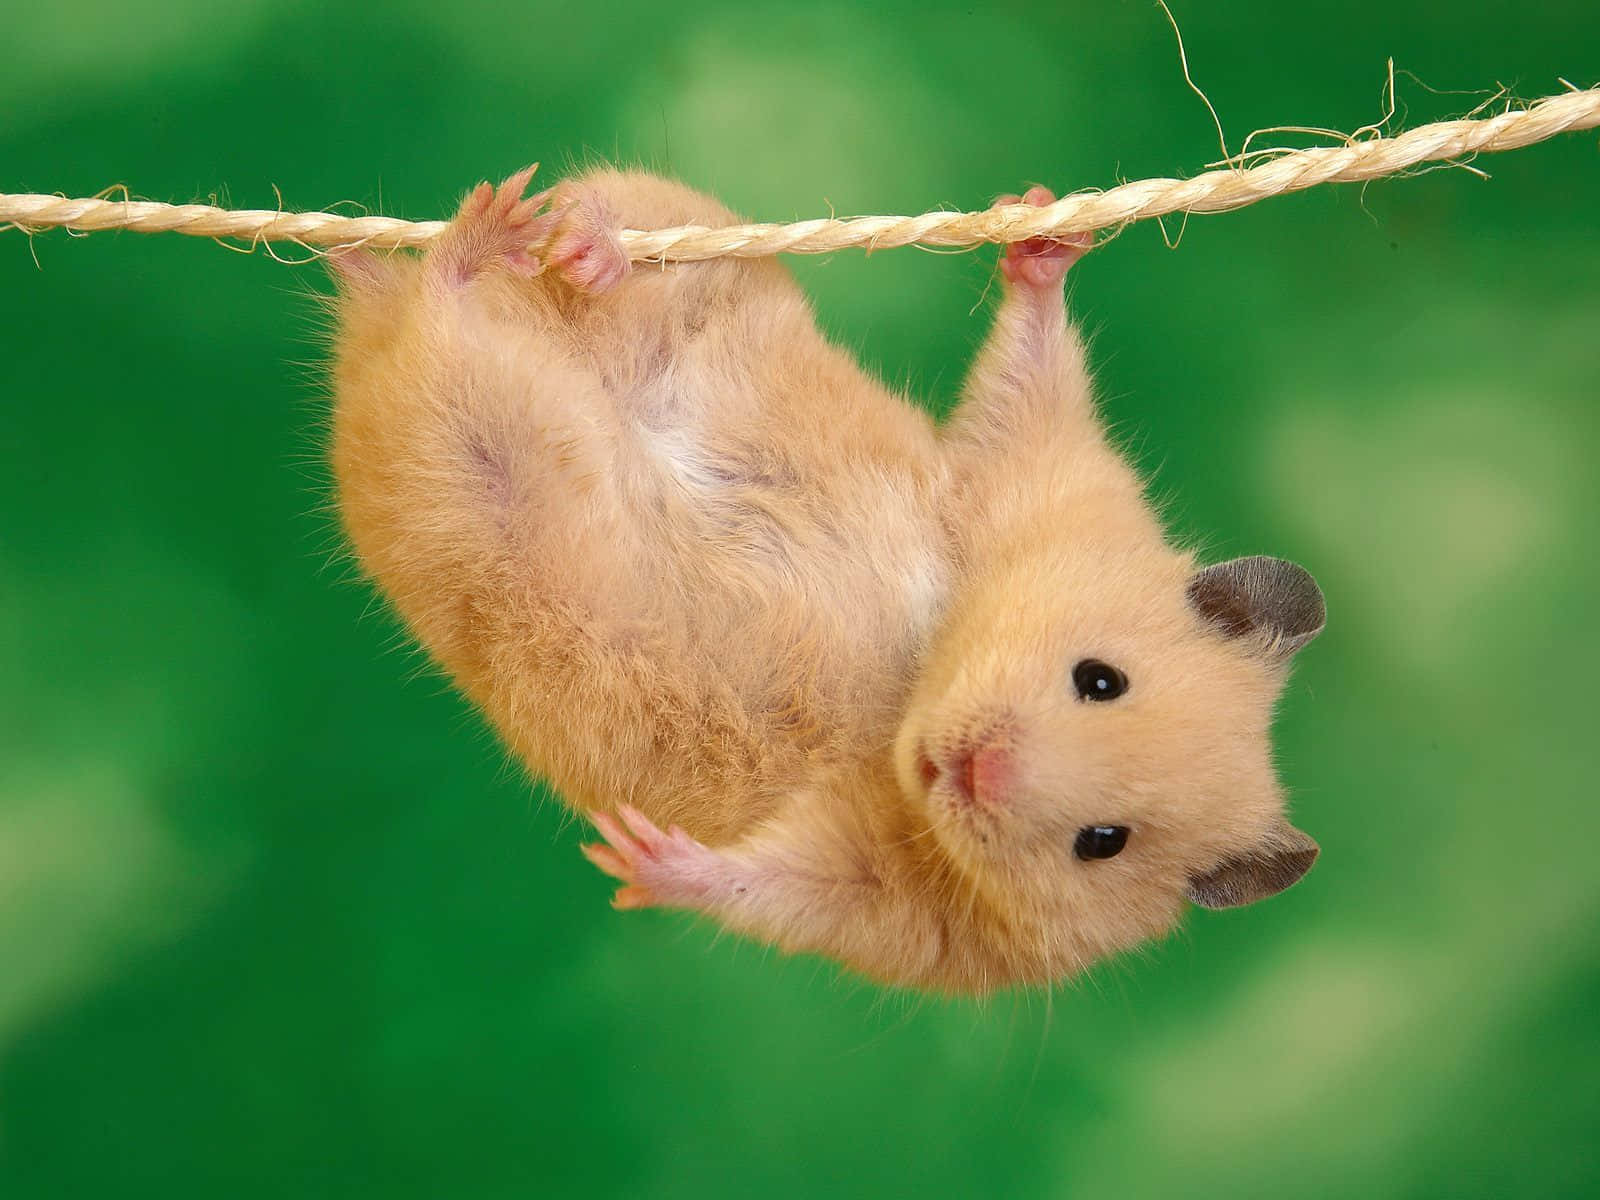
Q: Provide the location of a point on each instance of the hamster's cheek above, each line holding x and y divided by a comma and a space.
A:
1070, 781
1126, 916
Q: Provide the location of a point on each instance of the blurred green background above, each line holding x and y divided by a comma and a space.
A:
276, 918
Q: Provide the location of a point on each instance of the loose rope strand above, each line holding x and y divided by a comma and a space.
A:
1211, 192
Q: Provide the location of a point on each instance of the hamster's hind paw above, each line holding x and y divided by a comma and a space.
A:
1041, 262
496, 227
585, 249
670, 869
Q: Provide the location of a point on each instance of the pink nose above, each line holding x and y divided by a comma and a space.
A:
982, 773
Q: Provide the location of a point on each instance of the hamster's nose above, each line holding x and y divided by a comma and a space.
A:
982, 773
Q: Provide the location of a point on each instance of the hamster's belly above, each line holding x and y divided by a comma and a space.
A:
811, 586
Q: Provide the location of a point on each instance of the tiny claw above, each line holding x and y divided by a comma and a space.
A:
517, 182
606, 859
608, 828
631, 898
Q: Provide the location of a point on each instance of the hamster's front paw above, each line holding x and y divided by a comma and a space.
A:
1041, 262
496, 227
669, 870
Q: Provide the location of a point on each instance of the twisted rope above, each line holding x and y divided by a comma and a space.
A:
1211, 192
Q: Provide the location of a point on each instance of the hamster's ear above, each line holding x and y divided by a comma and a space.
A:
1277, 861
1269, 598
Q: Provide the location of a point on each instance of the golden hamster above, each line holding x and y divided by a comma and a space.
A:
938, 701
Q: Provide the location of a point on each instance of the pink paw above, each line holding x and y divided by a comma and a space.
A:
1041, 262
669, 869
496, 227
585, 248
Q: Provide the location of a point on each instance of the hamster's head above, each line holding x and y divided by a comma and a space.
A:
1089, 740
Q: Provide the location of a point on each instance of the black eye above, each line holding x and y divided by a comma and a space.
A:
1096, 680
1100, 841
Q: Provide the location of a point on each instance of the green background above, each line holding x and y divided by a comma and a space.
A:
276, 918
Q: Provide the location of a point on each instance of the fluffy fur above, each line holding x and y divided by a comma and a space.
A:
707, 576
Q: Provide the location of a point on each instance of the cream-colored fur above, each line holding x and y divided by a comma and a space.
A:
690, 559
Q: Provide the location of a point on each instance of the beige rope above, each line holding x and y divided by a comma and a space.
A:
1211, 192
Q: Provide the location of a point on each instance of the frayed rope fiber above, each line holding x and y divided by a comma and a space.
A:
1212, 192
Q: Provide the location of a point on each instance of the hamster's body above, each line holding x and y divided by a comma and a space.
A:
700, 569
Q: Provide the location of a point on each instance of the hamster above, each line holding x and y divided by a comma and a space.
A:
940, 702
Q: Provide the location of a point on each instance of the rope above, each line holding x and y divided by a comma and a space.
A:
1211, 192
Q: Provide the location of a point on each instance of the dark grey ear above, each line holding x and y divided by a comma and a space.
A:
1280, 859
1271, 598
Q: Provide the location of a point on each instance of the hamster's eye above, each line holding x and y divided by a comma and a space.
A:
1096, 680
1100, 841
